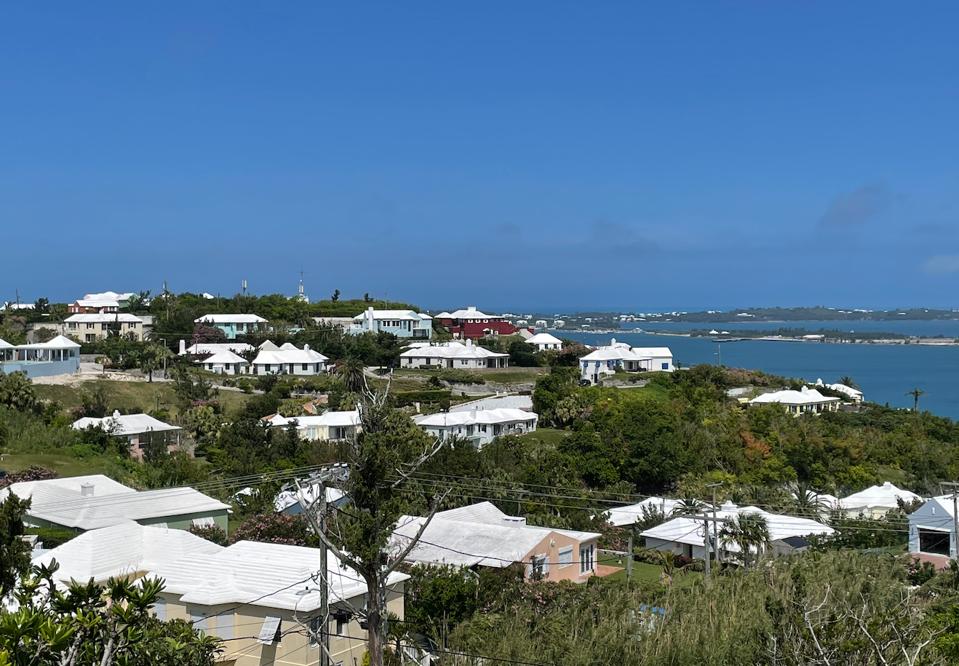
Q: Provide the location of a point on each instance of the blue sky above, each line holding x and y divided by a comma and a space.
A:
503, 154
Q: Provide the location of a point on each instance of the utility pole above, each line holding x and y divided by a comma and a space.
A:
629, 559
315, 512
713, 486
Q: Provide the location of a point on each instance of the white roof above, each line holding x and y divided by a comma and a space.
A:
348, 418
98, 303
467, 313
286, 356
524, 402
544, 339
121, 549
5, 345
879, 497
109, 296
268, 345
689, 531
87, 513
479, 534
454, 350
103, 318
628, 515
124, 424
262, 574
847, 391
392, 314
311, 493
618, 351
59, 342
806, 396
201, 348
67, 486
230, 319
474, 416
223, 357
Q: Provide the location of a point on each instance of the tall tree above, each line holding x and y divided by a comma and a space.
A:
916, 393
153, 357
351, 373
14, 551
750, 532
382, 457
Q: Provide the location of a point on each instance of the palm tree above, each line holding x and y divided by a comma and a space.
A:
688, 505
915, 393
748, 531
352, 373
846, 380
806, 501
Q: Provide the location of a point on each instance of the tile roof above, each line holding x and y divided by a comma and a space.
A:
124, 424
475, 416
230, 319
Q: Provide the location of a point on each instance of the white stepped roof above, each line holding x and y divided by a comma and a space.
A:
408, 315
311, 493
452, 350
201, 348
109, 296
689, 531
879, 497
124, 424
104, 318
70, 486
122, 549
283, 356
268, 345
5, 345
59, 342
230, 319
467, 313
274, 575
474, 416
224, 357
524, 402
347, 418
628, 515
544, 339
98, 303
479, 534
806, 396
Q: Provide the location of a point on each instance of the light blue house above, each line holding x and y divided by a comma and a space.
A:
401, 323
59, 356
233, 325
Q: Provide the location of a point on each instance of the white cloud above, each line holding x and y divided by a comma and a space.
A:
942, 264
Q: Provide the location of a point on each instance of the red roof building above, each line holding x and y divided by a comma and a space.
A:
473, 324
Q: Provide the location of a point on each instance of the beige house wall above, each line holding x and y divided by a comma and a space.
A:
243, 624
99, 330
551, 546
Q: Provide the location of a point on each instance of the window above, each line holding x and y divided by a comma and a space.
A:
934, 541
665, 366
270, 631
159, 608
586, 558
306, 366
539, 567
206, 521
565, 557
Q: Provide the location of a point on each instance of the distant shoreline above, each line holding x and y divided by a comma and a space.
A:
912, 341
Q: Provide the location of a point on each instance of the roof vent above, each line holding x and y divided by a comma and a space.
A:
116, 413
86, 490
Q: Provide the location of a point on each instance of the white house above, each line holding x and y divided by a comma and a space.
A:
466, 356
686, 536
805, 401
89, 502
233, 325
93, 327
545, 342
329, 426
850, 393
59, 356
482, 535
256, 595
209, 348
932, 531
289, 360
137, 429
401, 323
876, 501
632, 514
478, 426
124, 550
617, 356
225, 363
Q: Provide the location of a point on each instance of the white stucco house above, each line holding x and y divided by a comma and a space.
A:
329, 426
288, 360
545, 342
478, 426
225, 363
876, 501
805, 401
458, 355
617, 356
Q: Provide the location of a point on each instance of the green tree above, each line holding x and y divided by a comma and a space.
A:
336, 295
16, 391
14, 551
351, 372
96, 625
153, 357
750, 532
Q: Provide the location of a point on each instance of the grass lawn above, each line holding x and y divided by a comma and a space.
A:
645, 572
132, 396
63, 463
548, 436
514, 375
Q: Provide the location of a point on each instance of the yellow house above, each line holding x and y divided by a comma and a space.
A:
263, 601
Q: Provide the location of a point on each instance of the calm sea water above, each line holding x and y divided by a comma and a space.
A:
884, 372
946, 327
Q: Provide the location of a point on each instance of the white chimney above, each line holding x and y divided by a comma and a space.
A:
86, 489
306, 347
182, 347
370, 320
116, 413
